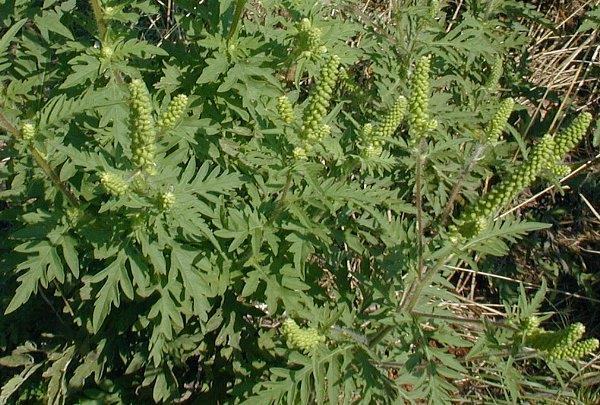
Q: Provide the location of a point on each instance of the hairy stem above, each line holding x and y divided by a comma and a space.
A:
411, 298
99, 17
419, 206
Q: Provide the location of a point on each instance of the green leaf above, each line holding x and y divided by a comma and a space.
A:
116, 280
9, 35
50, 21
216, 66
85, 68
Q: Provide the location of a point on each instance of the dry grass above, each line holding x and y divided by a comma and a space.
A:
564, 61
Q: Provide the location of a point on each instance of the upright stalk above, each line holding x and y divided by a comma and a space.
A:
419, 206
411, 298
239, 10
100, 20
457, 188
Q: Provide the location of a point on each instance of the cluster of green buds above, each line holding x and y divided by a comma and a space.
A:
73, 216
173, 113
434, 8
107, 52
418, 103
496, 70
373, 136
498, 123
27, 132
568, 138
143, 136
309, 40
560, 171
285, 109
166, 201
109, 11
544, 156
562, 344
298, 338
314, 130
530, 325
114, 183
476, 218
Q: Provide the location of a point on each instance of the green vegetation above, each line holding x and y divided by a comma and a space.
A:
292, 202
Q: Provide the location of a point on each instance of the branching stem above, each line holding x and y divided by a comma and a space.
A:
457, 188
412, 295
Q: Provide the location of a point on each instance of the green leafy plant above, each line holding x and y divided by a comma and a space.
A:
173, 204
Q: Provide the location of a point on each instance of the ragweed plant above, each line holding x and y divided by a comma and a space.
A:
167, 212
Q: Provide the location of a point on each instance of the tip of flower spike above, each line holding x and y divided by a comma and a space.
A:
305, 24
587, 117
114, 183
27, 132
424, 62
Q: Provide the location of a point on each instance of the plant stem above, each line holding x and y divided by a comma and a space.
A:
239, 9
42, 162
464, 320
99, 17
411, 298
456, 189
419, 206
412, 295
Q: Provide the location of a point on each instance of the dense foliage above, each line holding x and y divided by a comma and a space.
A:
263, 202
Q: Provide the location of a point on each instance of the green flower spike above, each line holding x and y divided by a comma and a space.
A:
312, 128
373, 137
391, 120
106, 52
498, 123
114, 183
531, 325
300, 153
27, 132
285, 109
143, 137
574, 351
418, 103
496, 71
561, 171
166, 201
174, 111
302, 339
561, 344
568, 138
434, 8
476, 218
73, 216
309, 39
543, 340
